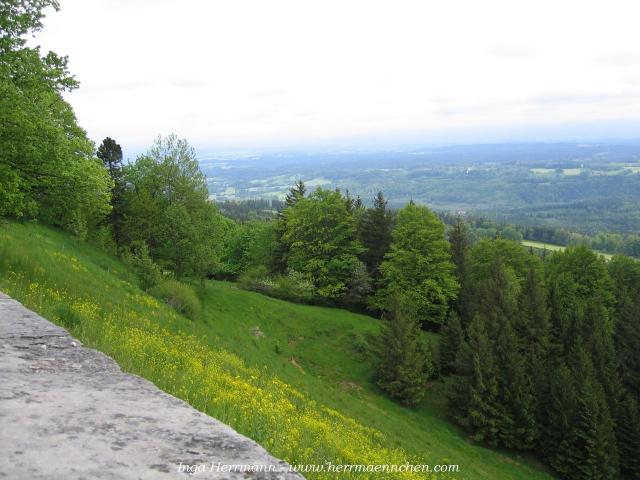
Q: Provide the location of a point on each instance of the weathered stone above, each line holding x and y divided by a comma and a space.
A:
69, 412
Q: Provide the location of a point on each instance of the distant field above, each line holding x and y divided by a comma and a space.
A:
554, 248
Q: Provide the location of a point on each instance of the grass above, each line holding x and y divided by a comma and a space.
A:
295, 378
555, 248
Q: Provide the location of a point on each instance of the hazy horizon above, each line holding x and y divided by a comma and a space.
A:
250, 75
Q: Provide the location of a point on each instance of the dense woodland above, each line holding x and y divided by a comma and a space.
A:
537, 354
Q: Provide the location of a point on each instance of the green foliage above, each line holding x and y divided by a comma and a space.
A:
451, 338
180, 296
47, 167
249, 245
628, 433
321, 237
319, 338
111, 155
146, 270
403, 365
419, 265
293, 286
166, 207
374, 232
459, 241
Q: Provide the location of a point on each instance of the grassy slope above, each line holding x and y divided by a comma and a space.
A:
323, 342
312, 349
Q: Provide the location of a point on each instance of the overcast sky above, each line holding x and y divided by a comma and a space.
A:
238, 73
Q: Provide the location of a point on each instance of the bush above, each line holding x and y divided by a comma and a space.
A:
147, 271
181, 297
294, 286
257, 280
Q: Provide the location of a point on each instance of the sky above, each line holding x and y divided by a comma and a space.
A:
234, 74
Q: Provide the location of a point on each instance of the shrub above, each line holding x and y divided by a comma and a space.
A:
147, 271
77, 225
293, 286
256, 280
181, 297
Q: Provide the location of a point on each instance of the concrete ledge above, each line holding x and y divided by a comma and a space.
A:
69, 412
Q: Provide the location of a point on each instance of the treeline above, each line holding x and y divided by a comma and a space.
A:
614, 243
544, 356
253, 209
536, 354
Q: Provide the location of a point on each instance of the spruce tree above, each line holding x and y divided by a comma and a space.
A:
451, 338
533, 329
559, 404
473, 390
295, 193
374, 233
595, 455
628, 436
402, 360
111, 155
459, 240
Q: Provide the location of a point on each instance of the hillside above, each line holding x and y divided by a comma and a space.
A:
87, 417
298, 383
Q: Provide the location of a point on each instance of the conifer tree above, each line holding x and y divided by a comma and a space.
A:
559, 403
111, 155
451, 338
473, 390
628, 436
402, 360
295, 193
459, 240
374, 233
532, 328
595, 454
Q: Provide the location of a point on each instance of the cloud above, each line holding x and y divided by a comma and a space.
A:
190, 83
632, 79
127, 86
580, 98
511, 52
618, 59
267, 93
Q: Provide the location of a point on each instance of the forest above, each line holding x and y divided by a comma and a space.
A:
583, 188
537, 354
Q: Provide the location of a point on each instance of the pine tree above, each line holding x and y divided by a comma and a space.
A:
627, 339
451, 338
374, 233
595, 454
559, 403
533, 329
295, 193
516, 403
628, 436
111, 155
402, 360
473, 390
459, 240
